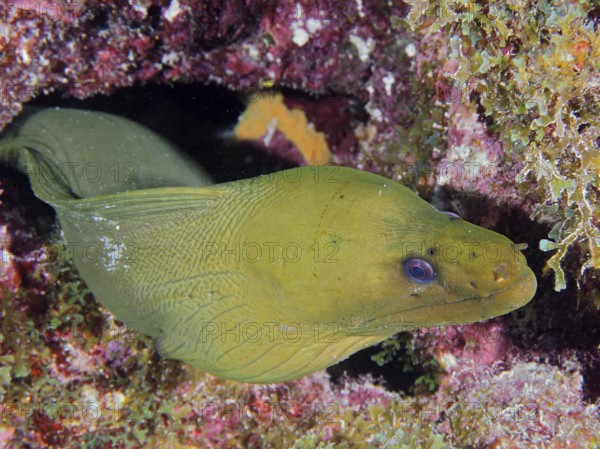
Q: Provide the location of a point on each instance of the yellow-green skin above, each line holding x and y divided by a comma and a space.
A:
260, 280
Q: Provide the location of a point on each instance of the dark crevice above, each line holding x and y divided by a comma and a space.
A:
195, 117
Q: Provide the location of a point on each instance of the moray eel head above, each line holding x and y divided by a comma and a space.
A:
448, 272
377, 259
336, 259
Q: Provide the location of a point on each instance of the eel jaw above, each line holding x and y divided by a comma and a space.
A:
474, 308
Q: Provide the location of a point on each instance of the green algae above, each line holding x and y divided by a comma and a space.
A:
425, 370
56, 387
531, 68
381, 427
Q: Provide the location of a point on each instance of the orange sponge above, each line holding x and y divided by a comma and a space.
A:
269, 113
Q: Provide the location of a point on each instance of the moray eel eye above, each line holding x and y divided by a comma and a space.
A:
419, 271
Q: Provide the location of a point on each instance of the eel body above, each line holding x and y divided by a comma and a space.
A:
260, 280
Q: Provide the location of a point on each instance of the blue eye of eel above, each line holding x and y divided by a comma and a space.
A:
419, 271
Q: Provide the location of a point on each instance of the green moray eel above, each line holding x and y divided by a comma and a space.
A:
260, 280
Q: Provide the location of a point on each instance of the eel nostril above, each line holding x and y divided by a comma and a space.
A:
501, 272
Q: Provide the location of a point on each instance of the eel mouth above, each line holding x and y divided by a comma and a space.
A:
505, 300
462, 311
